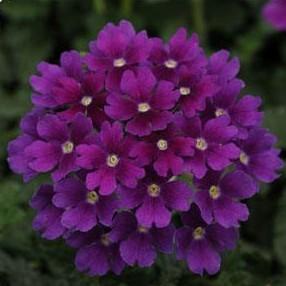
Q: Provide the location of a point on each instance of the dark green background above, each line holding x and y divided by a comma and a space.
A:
32, 30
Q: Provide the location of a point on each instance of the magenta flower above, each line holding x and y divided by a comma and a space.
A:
166, 150
218, 197
109, 160
18, 160
83, 209
48, 218
195, 87
180, 50
274, 12
222, 67
145, 103
87, 97
55, 149
117, 49
201, 244
97, 254
257, 149
122, 129
139, 244
243, 112
213, 146
51, 77
70, 88
155, 198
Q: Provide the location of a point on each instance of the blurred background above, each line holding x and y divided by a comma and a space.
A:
33, 30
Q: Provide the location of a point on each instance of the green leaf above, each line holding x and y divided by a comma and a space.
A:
275, 119
280, 231
10, 213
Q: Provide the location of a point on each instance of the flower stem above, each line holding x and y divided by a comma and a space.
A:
126, 7
197, 7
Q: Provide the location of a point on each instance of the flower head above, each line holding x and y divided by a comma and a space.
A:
274, 12
120, 129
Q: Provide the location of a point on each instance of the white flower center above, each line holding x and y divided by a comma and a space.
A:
105, 240
143, 107
112, 160
92, 197
118, 63
244, 159
185, 90
142, 229
198, 233
86, 100
219, 112
67, 147
154, 190
201, 144
214, 192
162, 145
170, 64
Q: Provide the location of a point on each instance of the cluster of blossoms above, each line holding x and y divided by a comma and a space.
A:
274, 13
118, 127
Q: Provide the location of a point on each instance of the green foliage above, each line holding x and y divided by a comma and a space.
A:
35, 30
280, 231
275, 119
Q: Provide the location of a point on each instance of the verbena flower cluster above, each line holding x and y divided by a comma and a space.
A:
274, 13
118, 128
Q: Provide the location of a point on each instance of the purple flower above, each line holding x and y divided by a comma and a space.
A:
109, 160
55, 149
180, 50
70, 88
18, 160
86, 97
155, 197
120, 130
243, 112
117, 49
166, 150
83, 209
213, 146
218, 197
222, 67
68, 74
48, 218
99, 254
258, 156
195, 87
274, 12
200, 244
143, 102
139, 244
